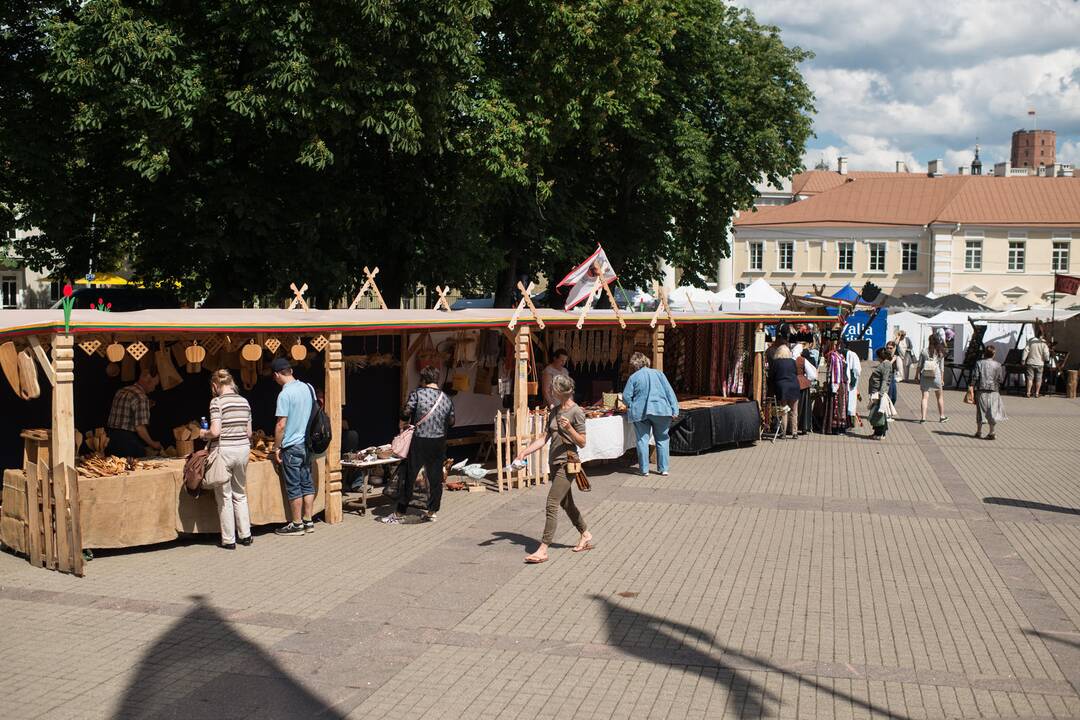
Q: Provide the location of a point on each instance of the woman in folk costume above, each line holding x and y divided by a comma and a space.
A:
833, 376
854, 372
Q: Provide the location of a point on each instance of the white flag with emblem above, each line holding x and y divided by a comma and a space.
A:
582, 279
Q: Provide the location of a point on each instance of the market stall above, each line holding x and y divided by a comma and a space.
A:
183, 344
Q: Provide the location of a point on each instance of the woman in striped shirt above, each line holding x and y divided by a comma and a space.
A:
230, 435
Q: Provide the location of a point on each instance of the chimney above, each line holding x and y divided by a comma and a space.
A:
901, 166
934, 168
841, 165
961, 170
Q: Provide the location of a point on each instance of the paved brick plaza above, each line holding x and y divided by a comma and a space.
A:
818, 578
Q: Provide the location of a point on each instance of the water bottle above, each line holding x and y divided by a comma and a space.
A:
204, 424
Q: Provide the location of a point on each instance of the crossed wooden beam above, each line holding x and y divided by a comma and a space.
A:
661, 295
298, 297
369, 286
526, 299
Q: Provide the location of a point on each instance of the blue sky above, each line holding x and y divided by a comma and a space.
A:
916, 80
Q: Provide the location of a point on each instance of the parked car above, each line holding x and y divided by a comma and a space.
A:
123, 299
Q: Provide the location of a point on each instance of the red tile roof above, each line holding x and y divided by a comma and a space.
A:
889, 199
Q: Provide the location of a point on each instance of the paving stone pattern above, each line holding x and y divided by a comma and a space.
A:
931, 575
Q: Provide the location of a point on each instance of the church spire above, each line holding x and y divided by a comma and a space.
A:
976, 164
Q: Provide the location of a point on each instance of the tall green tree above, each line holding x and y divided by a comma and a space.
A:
235, 145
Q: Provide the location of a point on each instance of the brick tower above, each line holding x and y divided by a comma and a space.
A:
1032, 148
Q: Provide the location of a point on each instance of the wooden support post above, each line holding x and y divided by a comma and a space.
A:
658, 347
335, 376
64, 477
521, 388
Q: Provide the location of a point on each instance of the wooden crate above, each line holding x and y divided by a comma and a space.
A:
54, 540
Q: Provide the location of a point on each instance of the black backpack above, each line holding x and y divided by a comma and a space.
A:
319, 431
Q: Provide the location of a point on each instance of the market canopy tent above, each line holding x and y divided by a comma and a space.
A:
866, 324
759, 297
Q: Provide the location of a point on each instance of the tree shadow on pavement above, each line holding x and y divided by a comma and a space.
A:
228, 677
661, 641
1031, 505
1052, 637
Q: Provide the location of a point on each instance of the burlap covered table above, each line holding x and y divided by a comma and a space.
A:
151, 506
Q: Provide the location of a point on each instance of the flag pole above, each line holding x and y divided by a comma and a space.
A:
1053, 305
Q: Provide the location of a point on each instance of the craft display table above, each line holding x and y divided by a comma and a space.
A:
607, 438
151, 506
365, 473
702, 426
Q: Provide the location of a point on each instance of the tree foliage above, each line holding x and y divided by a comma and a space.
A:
235, 145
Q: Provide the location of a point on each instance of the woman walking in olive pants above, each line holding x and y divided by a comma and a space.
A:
566, 431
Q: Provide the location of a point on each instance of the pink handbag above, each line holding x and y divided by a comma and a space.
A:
403, 440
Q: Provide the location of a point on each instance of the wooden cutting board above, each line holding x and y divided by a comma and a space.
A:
9, 362
28, 377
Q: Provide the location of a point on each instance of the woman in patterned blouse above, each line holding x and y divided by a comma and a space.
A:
432, 413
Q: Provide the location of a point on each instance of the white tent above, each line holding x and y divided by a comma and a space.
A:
958, 323
1013, 328
914, 325
760, 297
689, 298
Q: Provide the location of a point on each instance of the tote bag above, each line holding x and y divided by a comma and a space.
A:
403, 440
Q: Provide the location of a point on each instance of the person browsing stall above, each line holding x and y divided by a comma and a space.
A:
293, 413
565, 432
651, 405
431, 412
129, 418
556, 367
230, 435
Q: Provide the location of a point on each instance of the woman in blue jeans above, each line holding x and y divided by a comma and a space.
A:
651, 406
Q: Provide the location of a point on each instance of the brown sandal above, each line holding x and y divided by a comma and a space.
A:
535, 559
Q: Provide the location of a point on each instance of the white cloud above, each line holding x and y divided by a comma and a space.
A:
863, 152
928, 78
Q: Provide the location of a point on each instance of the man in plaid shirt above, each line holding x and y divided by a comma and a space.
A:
130, 416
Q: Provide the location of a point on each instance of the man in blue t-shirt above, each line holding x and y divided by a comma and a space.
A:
293, 414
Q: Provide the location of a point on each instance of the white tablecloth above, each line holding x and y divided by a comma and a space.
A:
607, 438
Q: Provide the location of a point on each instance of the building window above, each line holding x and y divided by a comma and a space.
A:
973, 255
877, 256
757, 256
1059, 261
909, 261
1016, 255
9, 292
845, 256
55, 288
785, 255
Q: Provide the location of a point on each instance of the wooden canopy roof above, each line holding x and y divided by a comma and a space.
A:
15, 323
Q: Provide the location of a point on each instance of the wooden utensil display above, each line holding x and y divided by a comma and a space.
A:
115, 352
9, 361
137, 350
28, 377
89, 346
128, 368
251, 352
178, 353
112, 369
167, 372
298, 351
97, 441
195, 356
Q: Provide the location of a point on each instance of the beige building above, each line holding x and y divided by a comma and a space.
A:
997, 240
20, 287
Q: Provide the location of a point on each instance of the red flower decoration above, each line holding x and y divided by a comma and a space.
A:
68, 290
93, 306
100, 301
108, 306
